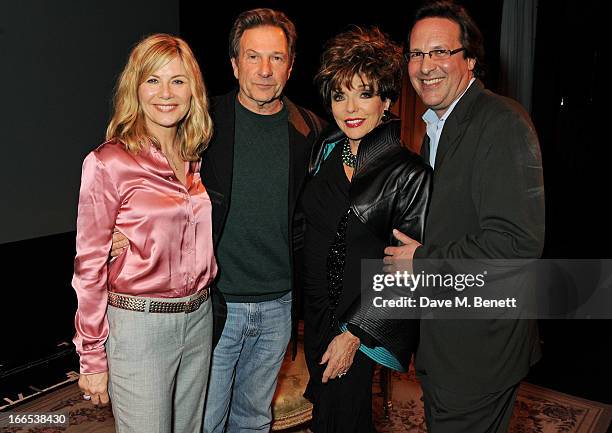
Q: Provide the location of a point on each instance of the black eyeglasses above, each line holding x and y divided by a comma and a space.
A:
418, 56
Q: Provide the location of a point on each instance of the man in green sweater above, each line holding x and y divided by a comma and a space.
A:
253, 171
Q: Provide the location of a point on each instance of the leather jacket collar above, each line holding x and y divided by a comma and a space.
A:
372, 146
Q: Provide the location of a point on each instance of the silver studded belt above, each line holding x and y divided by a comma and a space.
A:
135, 303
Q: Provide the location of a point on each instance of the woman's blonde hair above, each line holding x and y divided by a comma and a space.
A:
128, 124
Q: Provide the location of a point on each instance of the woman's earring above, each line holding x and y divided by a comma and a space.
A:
386, 116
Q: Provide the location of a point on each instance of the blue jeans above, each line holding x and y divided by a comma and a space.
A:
245, 366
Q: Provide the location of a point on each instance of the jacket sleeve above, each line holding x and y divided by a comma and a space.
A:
411, 211
98, 205
364, 337
508, 193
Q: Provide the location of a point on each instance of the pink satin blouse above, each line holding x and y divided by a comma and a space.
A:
167, 224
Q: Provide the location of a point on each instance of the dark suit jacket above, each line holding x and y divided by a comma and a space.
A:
217, 171
487, 202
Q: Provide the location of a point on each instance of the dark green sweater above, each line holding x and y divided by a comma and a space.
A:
253, 251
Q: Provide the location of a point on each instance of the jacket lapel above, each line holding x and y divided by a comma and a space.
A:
218, 160
296, 119
425, 148
223, 162
456, 123
299, 151
377, 143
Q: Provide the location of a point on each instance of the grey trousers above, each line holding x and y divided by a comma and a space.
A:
158, 369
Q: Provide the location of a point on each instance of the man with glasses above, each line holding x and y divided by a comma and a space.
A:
487, 203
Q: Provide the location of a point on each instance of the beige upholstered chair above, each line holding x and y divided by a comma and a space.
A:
289, 407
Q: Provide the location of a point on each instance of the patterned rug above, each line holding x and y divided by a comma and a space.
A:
538, 410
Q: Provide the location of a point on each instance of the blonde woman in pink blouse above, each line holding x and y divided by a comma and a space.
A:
144, 321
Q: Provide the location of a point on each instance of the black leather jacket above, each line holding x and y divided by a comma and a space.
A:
390, 189
391, 185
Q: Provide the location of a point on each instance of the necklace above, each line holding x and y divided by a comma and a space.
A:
348, 158
177, 167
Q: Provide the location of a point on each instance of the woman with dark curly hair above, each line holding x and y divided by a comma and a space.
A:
364, 183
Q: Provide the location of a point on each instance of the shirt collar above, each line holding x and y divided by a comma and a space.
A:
430, 117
